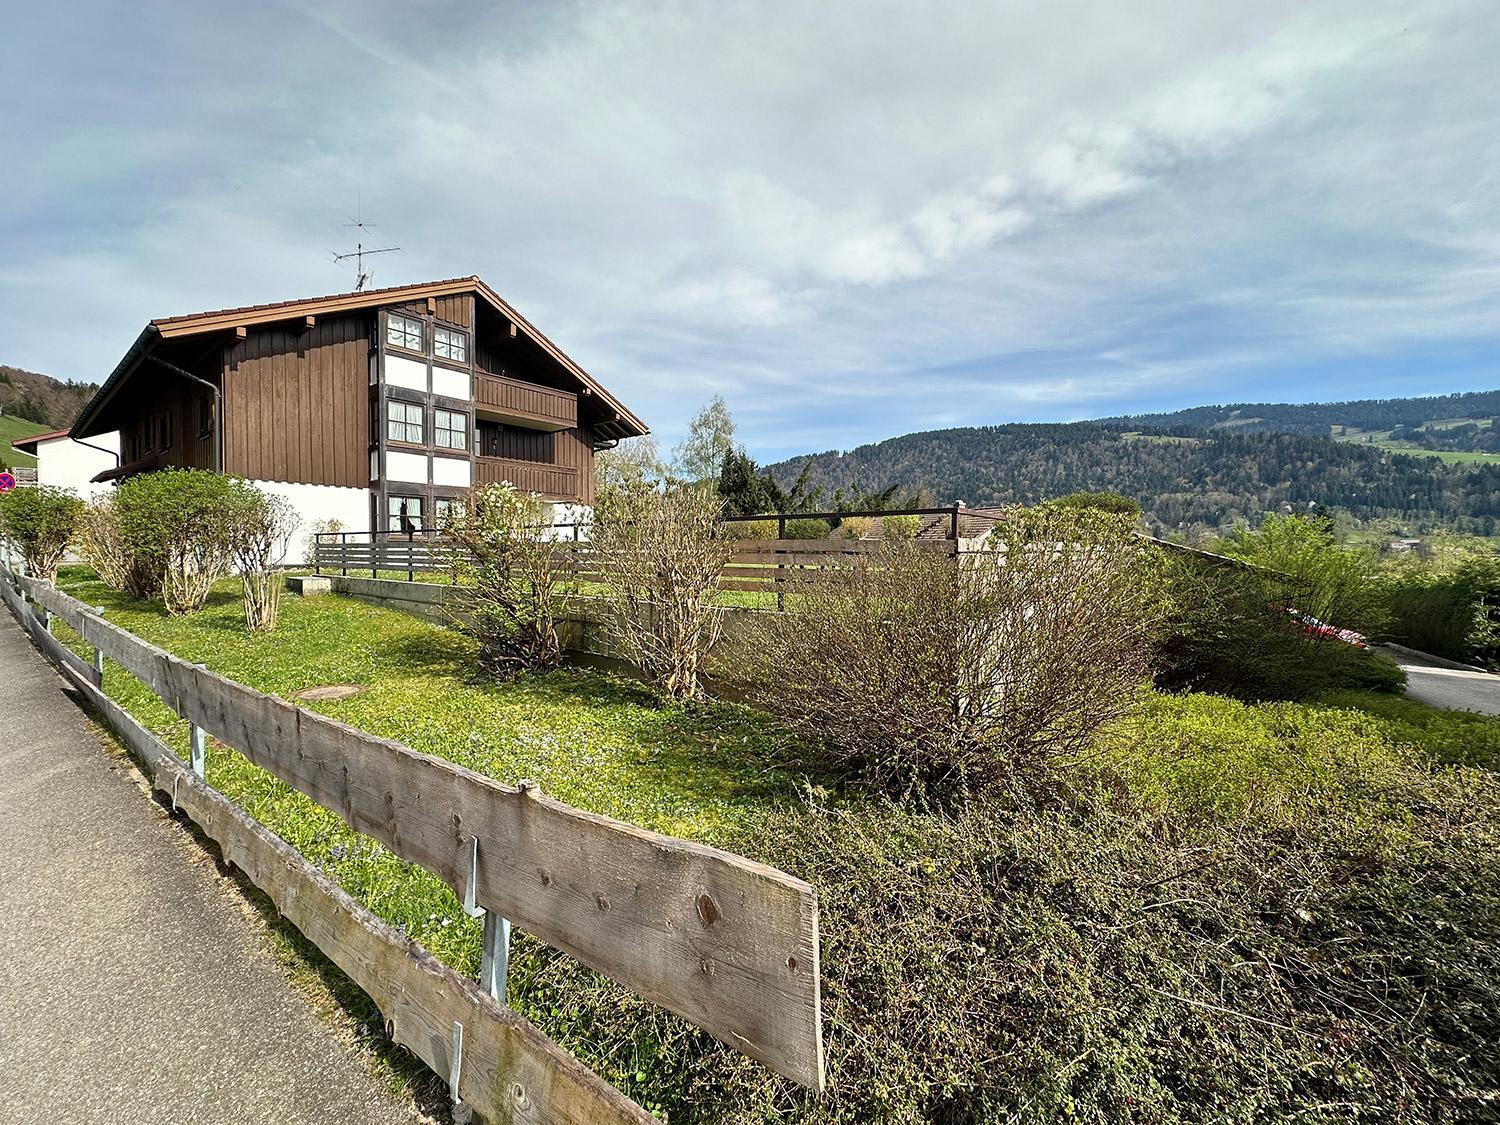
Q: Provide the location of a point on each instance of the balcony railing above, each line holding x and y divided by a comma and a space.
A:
552, 482
524, 404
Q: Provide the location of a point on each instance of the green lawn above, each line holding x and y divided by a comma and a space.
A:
1191, 772
12, 429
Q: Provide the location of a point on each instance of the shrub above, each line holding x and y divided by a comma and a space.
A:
807, 529
103, 545
1111, 502
1334, 583
856, 527
923, 672
260, 532
513, 578
900, 527
178, 526
1228, 632
751, 529
660, 550
41, 522
1452, 612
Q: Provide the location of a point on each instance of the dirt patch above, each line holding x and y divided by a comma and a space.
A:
330, 691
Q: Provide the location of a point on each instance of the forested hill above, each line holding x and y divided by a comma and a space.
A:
42, 399
1210, 480
1322, 419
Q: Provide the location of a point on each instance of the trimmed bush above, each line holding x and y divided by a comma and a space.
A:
900, 527
857, 527
751, 529
178, 526
808, 529
41, 522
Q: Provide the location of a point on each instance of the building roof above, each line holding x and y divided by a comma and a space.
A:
31, 441
190, 324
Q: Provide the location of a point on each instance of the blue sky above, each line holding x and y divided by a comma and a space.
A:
851, 220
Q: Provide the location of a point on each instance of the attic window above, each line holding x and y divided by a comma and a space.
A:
403, 331
449, 343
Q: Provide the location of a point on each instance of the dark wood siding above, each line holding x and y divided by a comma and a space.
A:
297, 403
572, 449
174, 407
457, 310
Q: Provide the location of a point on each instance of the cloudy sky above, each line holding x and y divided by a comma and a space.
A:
850, 220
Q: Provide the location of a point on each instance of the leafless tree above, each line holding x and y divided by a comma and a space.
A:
260, 530
513, 577
660, 550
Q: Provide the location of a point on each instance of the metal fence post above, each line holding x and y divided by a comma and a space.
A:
494, 962
198, 747
99, 652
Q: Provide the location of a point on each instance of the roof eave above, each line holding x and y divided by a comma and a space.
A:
128, 362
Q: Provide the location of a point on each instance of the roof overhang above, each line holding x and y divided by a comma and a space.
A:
172, 327
29, 443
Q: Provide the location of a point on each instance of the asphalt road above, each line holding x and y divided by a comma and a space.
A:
134, 987
1449, 687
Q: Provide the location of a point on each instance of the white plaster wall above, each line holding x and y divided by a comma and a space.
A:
408, 467
454, 384
64, 463
450, 471
314, 504
403, 372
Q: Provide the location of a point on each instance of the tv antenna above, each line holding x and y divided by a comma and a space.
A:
359, 253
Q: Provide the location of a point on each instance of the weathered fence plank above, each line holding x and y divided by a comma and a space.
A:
510, 1071
728, 943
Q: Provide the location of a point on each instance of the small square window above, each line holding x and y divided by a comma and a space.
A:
449, 343
450, 429
403, 422
403, 509
403, 331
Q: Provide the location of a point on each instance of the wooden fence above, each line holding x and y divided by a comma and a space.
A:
727, 943
769, 566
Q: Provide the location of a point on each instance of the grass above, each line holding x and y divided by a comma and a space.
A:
1187, 767
12, 429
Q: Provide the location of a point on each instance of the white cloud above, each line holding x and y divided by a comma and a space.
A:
850, 219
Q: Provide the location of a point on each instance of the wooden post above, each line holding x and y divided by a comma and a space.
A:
317, 560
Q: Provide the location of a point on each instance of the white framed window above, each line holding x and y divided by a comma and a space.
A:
403, 331
409, 506
450, 429
403, 422
450, 343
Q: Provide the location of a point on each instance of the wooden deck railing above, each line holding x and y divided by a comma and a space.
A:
725, 942
524, 404
550, 482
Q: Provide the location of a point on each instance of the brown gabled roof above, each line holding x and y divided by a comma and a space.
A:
33, 440
171, 327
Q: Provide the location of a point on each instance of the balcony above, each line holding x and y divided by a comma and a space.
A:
524, 404
551, 482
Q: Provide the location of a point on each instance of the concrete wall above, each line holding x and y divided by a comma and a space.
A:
64, 463
315, 503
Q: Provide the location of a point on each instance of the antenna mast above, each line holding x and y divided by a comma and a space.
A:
359, 253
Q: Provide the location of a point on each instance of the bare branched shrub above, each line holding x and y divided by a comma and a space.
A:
513, 577
104, 548
261, 529
924, 670
660, 551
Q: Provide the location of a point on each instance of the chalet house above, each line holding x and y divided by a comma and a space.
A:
360, 406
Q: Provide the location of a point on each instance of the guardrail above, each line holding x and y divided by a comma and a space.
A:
725, 942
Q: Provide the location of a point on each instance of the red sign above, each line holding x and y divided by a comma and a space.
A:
7, 482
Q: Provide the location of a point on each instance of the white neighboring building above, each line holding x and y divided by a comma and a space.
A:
62, 462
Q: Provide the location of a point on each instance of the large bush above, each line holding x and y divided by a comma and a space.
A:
659, 550
513, 579
178, 526
1452, 611
1229, 632
1334, 582
41, 523
922, 670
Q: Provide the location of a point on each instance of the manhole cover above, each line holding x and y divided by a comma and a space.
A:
330, 691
